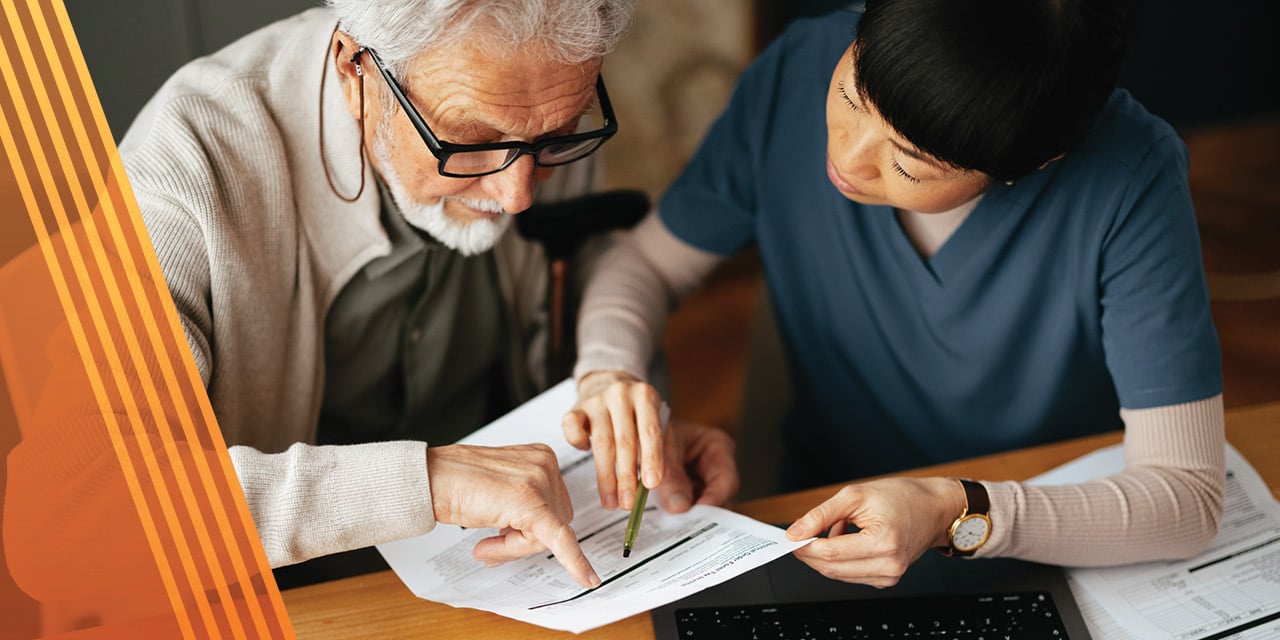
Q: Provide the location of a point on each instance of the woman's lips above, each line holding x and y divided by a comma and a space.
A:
840, 183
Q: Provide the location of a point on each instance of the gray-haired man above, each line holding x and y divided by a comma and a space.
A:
324, 220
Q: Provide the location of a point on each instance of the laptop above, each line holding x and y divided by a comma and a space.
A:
932, 585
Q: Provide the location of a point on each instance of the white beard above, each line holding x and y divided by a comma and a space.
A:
468, 238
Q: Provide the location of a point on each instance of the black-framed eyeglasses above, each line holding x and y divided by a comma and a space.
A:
474, 160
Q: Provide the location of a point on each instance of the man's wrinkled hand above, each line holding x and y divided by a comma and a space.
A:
516, 489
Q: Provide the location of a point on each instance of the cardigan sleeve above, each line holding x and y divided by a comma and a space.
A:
311, 501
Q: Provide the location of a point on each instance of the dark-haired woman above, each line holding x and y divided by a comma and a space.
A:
973, 242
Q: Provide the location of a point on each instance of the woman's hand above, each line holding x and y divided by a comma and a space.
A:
618, 417
898, 519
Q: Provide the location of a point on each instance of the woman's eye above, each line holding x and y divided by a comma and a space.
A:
903, 172
845, 96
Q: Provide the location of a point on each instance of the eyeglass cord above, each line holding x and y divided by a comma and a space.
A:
324, 68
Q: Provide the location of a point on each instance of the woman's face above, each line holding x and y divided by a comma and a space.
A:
870, 163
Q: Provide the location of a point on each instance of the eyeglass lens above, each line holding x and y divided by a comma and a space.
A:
555, 154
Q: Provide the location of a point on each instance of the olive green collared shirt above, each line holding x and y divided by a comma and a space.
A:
414, 344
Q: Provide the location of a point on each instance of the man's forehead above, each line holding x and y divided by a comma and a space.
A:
510, 78
507, 93
481, 56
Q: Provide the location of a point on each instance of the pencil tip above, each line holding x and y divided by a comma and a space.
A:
626, 553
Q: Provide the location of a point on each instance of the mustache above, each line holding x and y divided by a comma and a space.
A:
479, 204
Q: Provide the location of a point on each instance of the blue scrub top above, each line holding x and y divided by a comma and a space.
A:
1061, 298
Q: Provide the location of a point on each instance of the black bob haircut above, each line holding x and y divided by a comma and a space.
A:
997, 86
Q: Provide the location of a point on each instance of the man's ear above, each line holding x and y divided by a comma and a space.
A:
341, 50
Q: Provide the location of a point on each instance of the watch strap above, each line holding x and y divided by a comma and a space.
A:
975, 496
977, 502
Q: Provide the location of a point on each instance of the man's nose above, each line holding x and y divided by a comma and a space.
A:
513, 187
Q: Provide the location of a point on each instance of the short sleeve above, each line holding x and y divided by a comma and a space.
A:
712, 204
1157, 330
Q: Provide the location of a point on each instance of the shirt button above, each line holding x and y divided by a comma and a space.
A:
414, 336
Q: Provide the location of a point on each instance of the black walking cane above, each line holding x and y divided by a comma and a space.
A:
562, 228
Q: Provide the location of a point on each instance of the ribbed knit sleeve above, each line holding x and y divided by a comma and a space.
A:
626, 302
1166, 504
311, 501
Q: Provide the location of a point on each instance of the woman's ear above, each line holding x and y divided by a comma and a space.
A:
350, 69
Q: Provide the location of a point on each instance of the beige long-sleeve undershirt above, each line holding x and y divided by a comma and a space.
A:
1167, 503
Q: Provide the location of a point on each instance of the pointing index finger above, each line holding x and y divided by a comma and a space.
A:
555, 535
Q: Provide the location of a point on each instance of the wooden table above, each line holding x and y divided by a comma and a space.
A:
379, 606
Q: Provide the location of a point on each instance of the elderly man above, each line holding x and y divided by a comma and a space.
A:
323, 196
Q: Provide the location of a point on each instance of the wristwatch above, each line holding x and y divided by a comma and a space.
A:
969, 531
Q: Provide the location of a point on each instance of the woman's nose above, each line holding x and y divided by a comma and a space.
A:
853, 152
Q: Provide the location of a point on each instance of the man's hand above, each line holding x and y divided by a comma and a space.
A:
516, 489
618, 418
899, 518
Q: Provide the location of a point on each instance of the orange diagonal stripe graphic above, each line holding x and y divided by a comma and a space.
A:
168, 458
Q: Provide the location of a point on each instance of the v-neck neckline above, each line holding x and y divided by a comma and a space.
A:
935, 272
928, 232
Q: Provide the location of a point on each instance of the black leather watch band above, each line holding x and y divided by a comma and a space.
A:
975, 496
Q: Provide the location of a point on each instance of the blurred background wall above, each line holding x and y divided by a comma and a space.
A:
1192, 63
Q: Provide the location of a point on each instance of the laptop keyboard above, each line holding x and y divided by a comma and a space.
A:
1002, 616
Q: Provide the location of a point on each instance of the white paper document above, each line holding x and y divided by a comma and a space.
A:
674, 555
1232, 590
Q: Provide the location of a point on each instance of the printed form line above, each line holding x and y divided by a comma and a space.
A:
655, 556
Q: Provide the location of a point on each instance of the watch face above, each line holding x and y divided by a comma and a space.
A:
970, 533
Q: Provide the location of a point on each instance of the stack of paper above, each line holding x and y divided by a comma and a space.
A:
1232, 590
